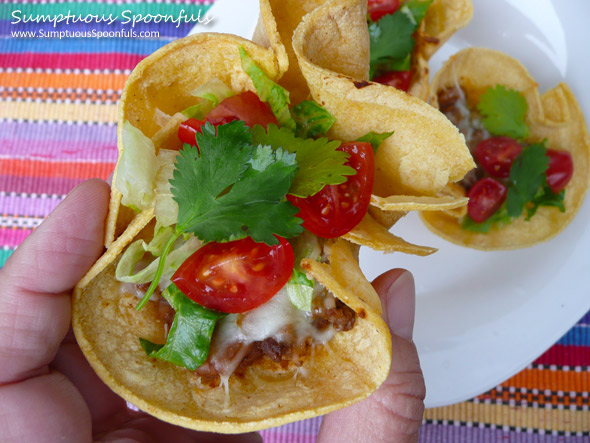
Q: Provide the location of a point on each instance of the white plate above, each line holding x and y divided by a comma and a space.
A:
483, 316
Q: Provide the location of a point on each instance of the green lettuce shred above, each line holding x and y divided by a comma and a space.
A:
136, 169
268, 91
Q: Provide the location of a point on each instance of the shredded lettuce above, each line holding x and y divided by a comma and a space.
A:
312, 119
300, 290
166, 208
136, 169
213, 92
268, 91
125, 271
189, 340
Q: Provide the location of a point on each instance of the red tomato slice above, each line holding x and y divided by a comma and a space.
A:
497, 154
485, 197
187, 131
560, 170
398, 79
336, 209
235, 276
378, 8
245, 106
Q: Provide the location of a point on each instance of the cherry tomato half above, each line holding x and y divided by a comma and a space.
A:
336, 209
378, 8
398, 79
560, 170
485, 197
187, 131
497, 154
245, 106
235, 276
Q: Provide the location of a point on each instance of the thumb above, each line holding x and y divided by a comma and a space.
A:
393, 412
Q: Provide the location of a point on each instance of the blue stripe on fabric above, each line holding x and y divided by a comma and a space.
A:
4, 254
577, 336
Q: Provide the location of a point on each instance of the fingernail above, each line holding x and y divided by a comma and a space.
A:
401, 305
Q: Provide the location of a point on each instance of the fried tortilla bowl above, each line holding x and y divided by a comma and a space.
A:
280, 18
351, 366
555, 115
107, 326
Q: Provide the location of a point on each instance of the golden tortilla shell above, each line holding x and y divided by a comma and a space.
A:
351, 366
280, 18
554, 115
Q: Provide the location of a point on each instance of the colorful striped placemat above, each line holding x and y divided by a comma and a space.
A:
58, 101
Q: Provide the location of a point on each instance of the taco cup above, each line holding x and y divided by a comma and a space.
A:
431, 24
340, 352
548, 126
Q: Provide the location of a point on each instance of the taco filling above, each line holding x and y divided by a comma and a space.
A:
255, 189
513, 176
392, 30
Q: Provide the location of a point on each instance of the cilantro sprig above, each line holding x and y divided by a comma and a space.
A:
527, 190
320, 163
391, 37
228, 189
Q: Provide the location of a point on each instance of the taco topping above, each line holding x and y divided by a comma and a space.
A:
512, 174
250, 173
391, 31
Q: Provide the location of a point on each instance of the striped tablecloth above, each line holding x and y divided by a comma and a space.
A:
58, 102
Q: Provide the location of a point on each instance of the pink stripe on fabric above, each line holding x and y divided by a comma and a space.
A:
59, 150
47, 185
13, 237
23, 206
304, 431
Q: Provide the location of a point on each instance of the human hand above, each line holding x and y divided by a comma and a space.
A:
48, 391
394, 412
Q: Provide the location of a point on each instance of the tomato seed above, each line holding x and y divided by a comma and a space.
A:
206, 273
258, 267
218, 281
233, 289
325, 210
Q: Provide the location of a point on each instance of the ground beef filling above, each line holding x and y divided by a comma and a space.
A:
289, 351
452, 104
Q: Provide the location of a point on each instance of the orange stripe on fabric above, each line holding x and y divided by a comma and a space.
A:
53, 80
88, 112
517, 416
66, 170
553, 380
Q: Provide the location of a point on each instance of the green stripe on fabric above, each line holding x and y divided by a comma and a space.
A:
4, 254
99, 9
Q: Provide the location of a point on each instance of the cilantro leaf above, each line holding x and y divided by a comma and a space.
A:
233, 190
375, 138
499, 218
268, 91
417, 8
253, 206
311, 119
527, 175
391, 38
320, 163
504, 112
189, 339
200, 178
546, 197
